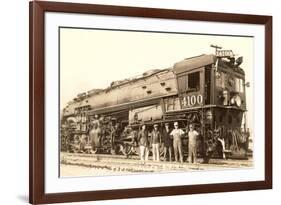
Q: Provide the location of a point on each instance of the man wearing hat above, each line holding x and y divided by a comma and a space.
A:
168, 142
143, 142
192, 144
155, 141
95, 137
177, 134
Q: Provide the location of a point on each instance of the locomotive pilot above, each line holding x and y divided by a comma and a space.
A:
143, 142
177, 134
192, 144
155, 141
168, 142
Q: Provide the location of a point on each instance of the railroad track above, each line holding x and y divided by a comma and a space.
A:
118, 164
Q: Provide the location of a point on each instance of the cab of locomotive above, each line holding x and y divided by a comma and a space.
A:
191, 75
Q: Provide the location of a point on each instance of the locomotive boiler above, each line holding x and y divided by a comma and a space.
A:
206, 90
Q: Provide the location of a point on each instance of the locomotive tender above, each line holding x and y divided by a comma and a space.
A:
207, 90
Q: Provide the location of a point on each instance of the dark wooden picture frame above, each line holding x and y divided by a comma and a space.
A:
37, 98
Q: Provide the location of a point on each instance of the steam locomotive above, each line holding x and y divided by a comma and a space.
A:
206, 90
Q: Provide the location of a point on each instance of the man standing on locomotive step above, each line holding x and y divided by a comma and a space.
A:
95, 137
168, 142
192, 144
177, 135
143, 142
96, 120
156, 141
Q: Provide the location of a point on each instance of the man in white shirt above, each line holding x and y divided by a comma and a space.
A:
177, 143
192, 144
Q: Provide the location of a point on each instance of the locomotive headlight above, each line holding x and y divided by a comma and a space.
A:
236, 100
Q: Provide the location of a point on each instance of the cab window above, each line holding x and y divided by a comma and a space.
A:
189, 82
194, 81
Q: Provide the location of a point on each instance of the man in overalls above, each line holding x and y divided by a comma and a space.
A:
177, 134
192, 144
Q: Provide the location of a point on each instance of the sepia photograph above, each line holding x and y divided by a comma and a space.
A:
145, 102
129, 102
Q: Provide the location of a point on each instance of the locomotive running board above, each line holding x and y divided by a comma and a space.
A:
205, 106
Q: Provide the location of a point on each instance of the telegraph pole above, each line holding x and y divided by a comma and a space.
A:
216, 47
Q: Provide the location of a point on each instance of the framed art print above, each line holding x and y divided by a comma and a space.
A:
139, 102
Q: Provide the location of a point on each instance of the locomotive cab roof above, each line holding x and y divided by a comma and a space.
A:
193, 63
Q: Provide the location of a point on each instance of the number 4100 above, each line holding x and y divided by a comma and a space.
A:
191, 100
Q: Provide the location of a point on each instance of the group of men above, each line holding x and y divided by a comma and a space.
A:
172, 139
